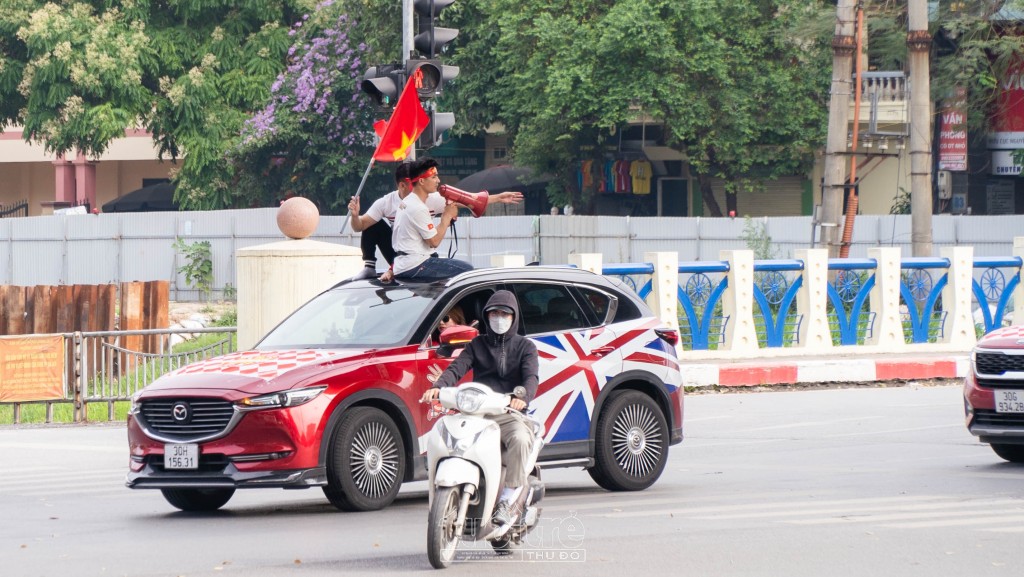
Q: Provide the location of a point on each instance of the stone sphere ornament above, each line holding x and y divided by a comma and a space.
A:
297, 217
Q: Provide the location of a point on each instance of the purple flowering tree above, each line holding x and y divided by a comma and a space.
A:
314, 137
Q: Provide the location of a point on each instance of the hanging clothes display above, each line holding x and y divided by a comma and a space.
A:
641, 171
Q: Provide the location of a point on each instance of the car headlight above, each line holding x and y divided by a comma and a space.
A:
135, 406
469, 400
291, 398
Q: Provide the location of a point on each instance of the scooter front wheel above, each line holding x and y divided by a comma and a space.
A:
441, 537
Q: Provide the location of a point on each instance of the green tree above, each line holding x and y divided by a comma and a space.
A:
741, 95
76, 75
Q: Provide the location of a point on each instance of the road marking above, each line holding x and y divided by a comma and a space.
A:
757, 509
808, 424
1015, 517
939, 510
63, 447
890, 431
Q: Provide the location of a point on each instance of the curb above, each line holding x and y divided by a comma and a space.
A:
811, 371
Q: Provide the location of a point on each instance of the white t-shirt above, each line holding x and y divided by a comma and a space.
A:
387, 206
413, 227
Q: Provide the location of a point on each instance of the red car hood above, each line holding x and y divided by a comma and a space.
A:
250, 371
1004, 338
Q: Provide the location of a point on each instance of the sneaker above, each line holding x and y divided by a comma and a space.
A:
368, 272
505, 514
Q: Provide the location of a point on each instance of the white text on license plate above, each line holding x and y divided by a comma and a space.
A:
181, 456
1009, 401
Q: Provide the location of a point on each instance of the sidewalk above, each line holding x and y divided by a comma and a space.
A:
840, 369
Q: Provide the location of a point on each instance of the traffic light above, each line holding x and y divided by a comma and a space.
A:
430, 42
384, 83
439, 123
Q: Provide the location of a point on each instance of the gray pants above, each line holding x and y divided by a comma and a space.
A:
516, 444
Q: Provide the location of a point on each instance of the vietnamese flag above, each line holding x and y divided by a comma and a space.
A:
407, 122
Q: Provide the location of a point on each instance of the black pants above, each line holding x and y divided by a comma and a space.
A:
374, 237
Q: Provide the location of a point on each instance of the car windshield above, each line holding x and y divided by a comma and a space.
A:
353, 316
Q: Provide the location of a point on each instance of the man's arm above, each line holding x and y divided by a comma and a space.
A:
457, 369
508, 197
358, 222
530, 370
449, 213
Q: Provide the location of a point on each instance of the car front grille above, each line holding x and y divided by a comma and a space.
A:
987, 418
206, 417
998, 363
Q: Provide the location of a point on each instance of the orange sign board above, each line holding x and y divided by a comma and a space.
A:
31, 368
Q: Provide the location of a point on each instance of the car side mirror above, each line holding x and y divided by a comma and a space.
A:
456, 337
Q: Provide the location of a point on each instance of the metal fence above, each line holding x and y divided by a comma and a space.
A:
120, 247
104, 370
14, 210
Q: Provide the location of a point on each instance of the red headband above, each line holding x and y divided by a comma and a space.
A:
432, 171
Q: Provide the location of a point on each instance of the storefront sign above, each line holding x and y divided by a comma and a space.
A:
1003, 164
31, 368
953, 135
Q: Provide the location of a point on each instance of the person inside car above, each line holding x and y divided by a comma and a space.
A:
507, 362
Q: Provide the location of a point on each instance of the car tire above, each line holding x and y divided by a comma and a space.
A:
631, 444
198, 499
1012, 453
365, 462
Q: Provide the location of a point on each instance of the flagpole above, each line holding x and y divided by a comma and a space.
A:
362, 183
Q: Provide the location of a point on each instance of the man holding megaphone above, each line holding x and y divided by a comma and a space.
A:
376, 225
415, 236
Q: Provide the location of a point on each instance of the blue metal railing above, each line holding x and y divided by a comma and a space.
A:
920, 294
775, 296
993, 288
848, 292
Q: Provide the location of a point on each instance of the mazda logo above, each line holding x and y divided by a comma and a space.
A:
181, 412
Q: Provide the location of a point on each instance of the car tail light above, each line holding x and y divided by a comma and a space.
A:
668, 335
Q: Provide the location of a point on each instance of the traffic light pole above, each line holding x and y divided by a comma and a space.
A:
408, 33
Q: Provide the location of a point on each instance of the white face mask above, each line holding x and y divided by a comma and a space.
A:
500, 325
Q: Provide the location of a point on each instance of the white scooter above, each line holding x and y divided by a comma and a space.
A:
464, 461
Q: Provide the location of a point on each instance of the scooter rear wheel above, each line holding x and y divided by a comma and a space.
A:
441, 537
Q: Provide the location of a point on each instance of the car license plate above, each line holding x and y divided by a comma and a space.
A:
1009, 401
181, 456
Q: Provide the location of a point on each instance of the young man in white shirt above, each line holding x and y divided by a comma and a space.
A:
377, 224
415, 236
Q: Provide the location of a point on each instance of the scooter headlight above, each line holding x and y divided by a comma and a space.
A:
469, 400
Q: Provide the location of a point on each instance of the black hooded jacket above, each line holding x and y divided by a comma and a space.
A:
502, 362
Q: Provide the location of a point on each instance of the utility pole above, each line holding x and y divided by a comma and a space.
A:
918, 46
843, 44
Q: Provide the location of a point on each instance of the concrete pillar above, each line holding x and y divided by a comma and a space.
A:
507, 260
956, 297
812, 300
64, 173
587, 261
85, 180
885, 299
664, 286
1018, 293
275, 279
738, 301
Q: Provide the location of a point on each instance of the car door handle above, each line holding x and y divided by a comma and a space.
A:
601, 351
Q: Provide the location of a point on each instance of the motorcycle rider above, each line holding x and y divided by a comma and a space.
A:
504, 360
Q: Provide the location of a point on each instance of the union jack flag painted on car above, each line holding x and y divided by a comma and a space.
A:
575, 366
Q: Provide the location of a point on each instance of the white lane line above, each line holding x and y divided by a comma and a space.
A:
940, 510
890, 431
64, 447
1010, 517
755, 509
808, 424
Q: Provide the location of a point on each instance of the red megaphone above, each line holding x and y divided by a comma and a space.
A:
476, 201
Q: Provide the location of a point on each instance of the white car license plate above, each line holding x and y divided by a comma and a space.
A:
181, 456
1009, 401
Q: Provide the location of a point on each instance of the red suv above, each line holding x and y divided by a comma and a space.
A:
994, 392
329, 398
